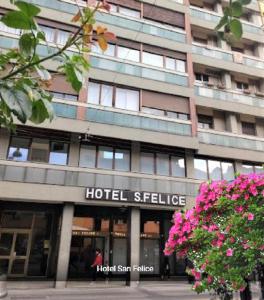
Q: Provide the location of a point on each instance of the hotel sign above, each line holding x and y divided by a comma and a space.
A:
126, 196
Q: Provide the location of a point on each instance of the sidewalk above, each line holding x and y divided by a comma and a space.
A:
113, 291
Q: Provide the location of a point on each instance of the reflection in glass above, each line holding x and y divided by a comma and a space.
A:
150, 254
122, 160
214, 170
128, 53
4, 265
147, 163
93, 93
58, 153
87, 156
16, 219
18, 266
6, 240
163, 164
259, 169
19, 148
228, 171
107, 95
105, 157
200, 169
21, 244
177, 166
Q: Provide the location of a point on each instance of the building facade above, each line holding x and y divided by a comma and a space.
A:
167, 106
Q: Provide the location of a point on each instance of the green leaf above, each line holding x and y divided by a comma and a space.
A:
41, 36
27, 44
73, 76
222, 22
236, 9
18, 102
43, 73
42, 110
28, 9
16, 19
236, 28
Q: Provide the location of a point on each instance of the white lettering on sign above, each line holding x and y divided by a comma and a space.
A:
137, 197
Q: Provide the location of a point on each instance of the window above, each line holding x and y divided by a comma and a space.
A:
248, 128
162, 164
153, 111
129, 12
93, 93
110, 51
58, 153
62, 96
19, 149
213, 169
176, 115
49, 33
249, 168
105, 157
201, 77
152, 59
147, 163
62, 37
128, 53
175, 64
87, 156
106, 95
38, 150
241, 86
205, 122
127, 99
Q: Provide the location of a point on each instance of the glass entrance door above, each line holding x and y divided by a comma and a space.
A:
14, 251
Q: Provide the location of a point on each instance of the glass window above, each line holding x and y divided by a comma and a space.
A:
228, 171
153, 111
93, 93
205, 122
58, 153
106, 95
87, 156
128, 53
105, 157
18, 149
113, 7
201, 77
259, 169
170, 63
62, 37
248, 128
247, 169
242, 86
49, 33
214, 170
127, 99
200, 169
64, 96
129, 12
177, 166
180, 65
163, 164
152, 59
147, 162
122, 160
110, 51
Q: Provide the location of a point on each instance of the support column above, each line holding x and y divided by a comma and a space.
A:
238, 167
189, 160
135, 157
226, 80
65, 245
134, 246
4, 142
74, 154
231, 123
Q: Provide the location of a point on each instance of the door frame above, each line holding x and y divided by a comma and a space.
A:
12, 255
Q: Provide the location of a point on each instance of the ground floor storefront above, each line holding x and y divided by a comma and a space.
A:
57, 242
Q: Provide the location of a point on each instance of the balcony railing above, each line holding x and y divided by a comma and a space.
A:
138, 70
139, 25
229, 96
227, 56
214, 17
27, 172
230, 140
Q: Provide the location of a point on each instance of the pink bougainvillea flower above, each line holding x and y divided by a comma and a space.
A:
210, 279
250, 217
229, 252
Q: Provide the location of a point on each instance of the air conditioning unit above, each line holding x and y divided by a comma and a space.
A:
39, 151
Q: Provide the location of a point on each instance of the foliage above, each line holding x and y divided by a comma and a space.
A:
230, 22
24, 79
223, 235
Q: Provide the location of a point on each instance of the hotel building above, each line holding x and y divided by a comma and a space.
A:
167, 106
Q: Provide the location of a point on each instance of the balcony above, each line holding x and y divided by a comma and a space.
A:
229, 100
71, 181
212, 18
137, 25
228, 60
225, 144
